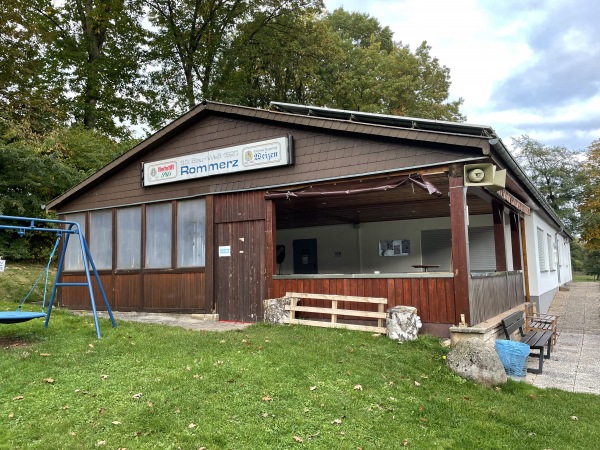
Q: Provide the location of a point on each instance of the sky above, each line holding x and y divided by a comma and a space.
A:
521, 66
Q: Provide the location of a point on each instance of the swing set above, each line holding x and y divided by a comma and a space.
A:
65, 229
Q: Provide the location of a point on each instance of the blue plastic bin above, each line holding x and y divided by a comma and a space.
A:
513, 355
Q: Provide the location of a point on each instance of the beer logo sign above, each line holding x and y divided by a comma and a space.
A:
162, 171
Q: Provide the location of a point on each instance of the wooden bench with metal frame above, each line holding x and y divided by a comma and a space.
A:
540, 322
536, 340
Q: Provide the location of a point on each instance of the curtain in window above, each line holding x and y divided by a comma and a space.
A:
191, 227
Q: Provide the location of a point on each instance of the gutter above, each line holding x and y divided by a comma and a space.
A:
509, 160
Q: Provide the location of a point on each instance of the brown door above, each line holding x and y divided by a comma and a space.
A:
240, 281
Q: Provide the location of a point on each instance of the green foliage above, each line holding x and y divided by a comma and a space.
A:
557, 173
577, 256
34, 169
149, 386
592, 263
342, 60
85, 61
590, 206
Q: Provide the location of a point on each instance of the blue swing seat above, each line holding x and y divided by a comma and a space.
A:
19, 316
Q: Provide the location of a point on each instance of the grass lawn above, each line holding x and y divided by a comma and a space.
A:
149, 386
579, 277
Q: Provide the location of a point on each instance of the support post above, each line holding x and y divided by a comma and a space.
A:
209, 264
499, 239
460, 250
525, 264
515, 240
270, 241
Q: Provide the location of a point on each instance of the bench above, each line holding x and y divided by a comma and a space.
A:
540, 322
536, 340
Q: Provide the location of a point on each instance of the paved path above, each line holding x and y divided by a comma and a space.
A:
575, 363
189, 321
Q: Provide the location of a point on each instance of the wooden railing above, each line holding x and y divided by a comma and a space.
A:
493, 293
336, 309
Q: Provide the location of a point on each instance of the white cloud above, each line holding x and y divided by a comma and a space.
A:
521, 66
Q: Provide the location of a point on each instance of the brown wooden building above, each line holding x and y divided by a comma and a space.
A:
192, 218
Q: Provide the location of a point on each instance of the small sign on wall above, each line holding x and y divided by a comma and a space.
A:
224, 250
396, 247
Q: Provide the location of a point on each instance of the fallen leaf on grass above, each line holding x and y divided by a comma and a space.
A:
358, 387
104, 377
49, 380
92, 346
532, 397
265, 415
417, 383
18, 397
116, 422
298, 439
72, 433
312, 388
310, 437
574, 418
218, 363
266, 398
336, 421
423, 419
102, 410
137, 396
405, 443
192, 425
100, 443
197, 376
44, 354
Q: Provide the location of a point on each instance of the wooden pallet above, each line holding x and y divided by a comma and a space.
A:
334, 311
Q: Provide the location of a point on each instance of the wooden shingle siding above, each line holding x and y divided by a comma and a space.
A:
318, 156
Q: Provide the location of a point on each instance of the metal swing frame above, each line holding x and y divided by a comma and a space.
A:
65, 229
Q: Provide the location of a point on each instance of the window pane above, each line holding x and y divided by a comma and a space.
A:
73, 256
129, 238
541, 252
101, 238
191, 225
158, 236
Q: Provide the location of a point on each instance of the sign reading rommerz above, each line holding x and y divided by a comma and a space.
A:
258, 155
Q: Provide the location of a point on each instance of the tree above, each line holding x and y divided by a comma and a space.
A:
557, 173
192, 38
25, 94
590, 206
90, 55
592, 264
341, 60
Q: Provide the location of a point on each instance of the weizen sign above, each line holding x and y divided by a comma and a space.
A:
258, 155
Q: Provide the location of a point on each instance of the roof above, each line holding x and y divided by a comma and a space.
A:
412, 123
375, 125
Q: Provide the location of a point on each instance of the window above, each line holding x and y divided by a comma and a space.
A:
482, 250
73, 255
541, 250
158, 236
191, 226
129, 238
551, 254
436, 248
101, 238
